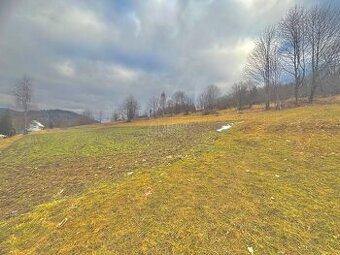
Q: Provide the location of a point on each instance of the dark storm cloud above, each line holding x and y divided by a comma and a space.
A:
94, 53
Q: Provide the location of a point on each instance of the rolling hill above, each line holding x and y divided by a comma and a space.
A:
49, 118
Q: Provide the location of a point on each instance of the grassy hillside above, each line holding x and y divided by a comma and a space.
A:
176, 186
49, 118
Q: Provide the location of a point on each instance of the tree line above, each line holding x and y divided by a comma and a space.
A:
303, 49
178, 103
297, 57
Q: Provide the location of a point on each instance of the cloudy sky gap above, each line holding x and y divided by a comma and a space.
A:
92, 54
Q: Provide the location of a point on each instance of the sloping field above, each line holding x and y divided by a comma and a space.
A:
176, 186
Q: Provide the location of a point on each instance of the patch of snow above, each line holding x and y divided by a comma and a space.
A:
35, 126
2, 136
33, 129
225, 127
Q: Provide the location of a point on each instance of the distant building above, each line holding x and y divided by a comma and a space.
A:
35, 126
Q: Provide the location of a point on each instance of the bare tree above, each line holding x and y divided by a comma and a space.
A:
263, 61
179, 98
293, 46
253, 94
154, 106
275, 74
182, 103
87, 117
23, 93
240, 94
130, 108
170, 106
114, 116
162, 103
190, 105
100, 116
88, 114
209, 98
323, 36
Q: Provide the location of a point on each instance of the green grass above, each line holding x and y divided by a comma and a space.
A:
270, 183
80, 143
39, 166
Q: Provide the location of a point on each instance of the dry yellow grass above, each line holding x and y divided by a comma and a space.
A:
4, 143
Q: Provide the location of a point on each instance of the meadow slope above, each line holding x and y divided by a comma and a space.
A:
176, 186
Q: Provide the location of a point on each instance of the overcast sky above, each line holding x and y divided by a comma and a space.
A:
92, 54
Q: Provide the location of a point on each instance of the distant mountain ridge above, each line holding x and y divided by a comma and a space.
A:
49, 118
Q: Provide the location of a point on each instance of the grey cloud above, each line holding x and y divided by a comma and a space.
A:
92, 54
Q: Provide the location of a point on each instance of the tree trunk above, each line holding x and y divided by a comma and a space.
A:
312, 92
267, 97
278, 100
296, 92
25, 122
267, 105
311, 96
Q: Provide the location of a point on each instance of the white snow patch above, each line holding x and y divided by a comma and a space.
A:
35, 126
225, 127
